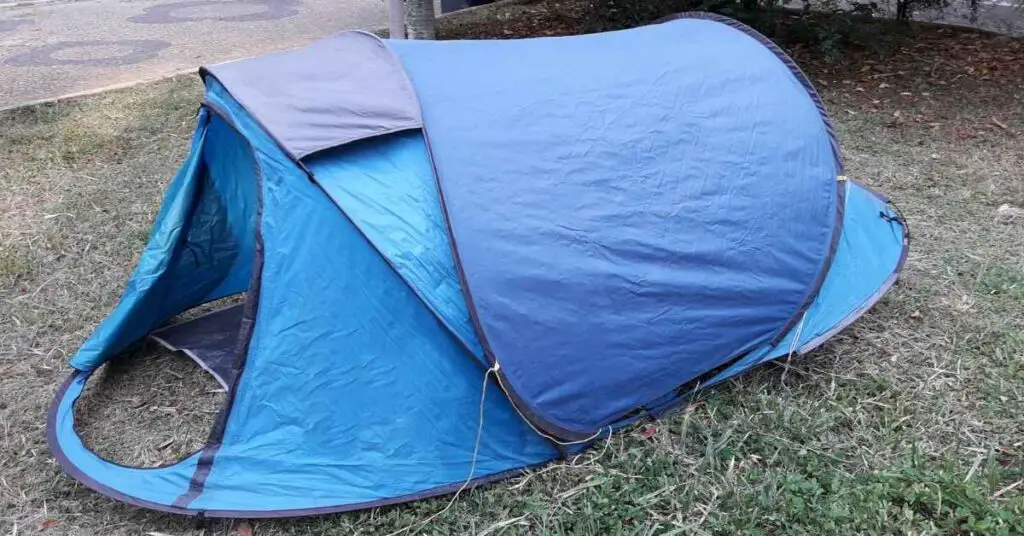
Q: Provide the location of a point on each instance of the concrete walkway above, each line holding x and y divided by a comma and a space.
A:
52, 48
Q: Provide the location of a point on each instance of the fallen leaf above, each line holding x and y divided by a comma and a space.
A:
1007, 213
165, 444
999, 124
1007, 488
649, 432
7, 372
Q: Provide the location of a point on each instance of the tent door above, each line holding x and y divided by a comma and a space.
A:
210, 340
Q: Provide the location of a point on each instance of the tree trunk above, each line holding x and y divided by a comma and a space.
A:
903, 8
419, 18
396, 19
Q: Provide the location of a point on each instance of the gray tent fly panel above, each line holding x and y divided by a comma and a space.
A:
600, 225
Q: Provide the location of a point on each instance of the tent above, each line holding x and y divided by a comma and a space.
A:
591, 226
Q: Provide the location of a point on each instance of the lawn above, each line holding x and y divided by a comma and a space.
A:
909, 422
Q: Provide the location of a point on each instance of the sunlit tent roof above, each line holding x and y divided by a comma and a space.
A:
606, 222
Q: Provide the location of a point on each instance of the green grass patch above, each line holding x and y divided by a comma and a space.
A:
908, 422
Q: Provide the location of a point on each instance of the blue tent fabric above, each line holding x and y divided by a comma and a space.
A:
368, 405
668, 212
855, 282
641, 185
210, 221
387, 187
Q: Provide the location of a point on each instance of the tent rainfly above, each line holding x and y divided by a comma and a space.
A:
594, 225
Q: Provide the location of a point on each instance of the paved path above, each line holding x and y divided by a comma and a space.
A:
1002, 16
51, 48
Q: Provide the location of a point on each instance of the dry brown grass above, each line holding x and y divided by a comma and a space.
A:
167, 391
910, 416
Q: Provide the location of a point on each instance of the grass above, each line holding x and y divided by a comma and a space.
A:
909, 422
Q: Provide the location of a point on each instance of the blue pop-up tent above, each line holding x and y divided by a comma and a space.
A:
603, 224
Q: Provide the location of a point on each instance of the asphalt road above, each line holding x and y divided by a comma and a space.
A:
52, 48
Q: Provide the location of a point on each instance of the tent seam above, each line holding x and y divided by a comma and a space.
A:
485, 345
215, 440
804, 81
524, 409
566, 432
114, 494
204, 73
784, 58
874, 297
